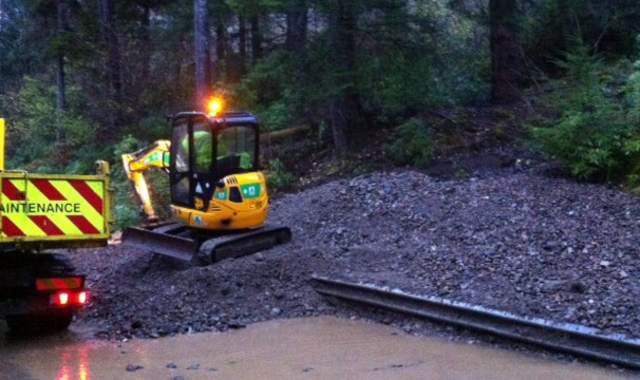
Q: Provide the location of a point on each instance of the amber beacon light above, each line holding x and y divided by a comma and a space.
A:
214, 106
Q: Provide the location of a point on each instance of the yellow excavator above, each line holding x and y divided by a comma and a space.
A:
219, 195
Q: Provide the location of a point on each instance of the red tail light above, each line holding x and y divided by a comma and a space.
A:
83, 297
63, 299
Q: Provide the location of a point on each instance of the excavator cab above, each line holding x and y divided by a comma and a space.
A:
205, 150
214, 172
219, 196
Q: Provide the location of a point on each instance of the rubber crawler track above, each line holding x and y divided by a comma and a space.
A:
570, 338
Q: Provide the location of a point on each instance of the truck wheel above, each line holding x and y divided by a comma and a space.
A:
40, 324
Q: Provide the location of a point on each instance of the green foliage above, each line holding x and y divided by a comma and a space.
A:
276, 116
126, 210
409, 61
412, 144
413, 84
596, 135
431, 60
151, 128
19, 51
42, 139
632, 91
268, 91
548, 28
278, 178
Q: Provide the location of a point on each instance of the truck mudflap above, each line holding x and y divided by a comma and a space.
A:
177, 241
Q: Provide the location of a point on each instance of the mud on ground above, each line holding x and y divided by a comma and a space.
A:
514, 239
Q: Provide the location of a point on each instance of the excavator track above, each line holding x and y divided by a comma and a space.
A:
201, 248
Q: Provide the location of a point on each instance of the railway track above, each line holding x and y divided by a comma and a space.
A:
569, 338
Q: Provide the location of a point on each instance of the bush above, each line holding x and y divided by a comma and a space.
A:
595, 133
278, 177
411, 144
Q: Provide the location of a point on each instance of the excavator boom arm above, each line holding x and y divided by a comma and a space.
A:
136, 163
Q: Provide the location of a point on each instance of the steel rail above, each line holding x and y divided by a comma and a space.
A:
570, 338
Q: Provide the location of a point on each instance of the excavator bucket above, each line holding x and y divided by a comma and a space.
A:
202, 248
164, 240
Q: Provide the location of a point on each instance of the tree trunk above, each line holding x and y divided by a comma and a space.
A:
295, 43
506, 56
346, 108
113, 49
113, 70
256, 39
242, 41
146, 45
61, 99
221, 51
339, 127
61, 155
201, 53
565, 25
221, 41
297, 26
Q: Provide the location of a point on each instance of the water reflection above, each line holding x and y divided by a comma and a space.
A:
63, 372
83, 368
62, 356
74, 363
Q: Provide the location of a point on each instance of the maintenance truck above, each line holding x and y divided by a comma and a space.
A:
41, 215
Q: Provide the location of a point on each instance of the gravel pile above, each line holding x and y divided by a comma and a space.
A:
520, 242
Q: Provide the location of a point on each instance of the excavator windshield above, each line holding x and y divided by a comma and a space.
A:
206, 150
236, 150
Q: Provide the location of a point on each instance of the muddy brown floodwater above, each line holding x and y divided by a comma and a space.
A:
311, 348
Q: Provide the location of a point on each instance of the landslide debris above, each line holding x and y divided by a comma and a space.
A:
517, 241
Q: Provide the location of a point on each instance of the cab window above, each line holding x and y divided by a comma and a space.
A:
203, 147
236, 150
181, 153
